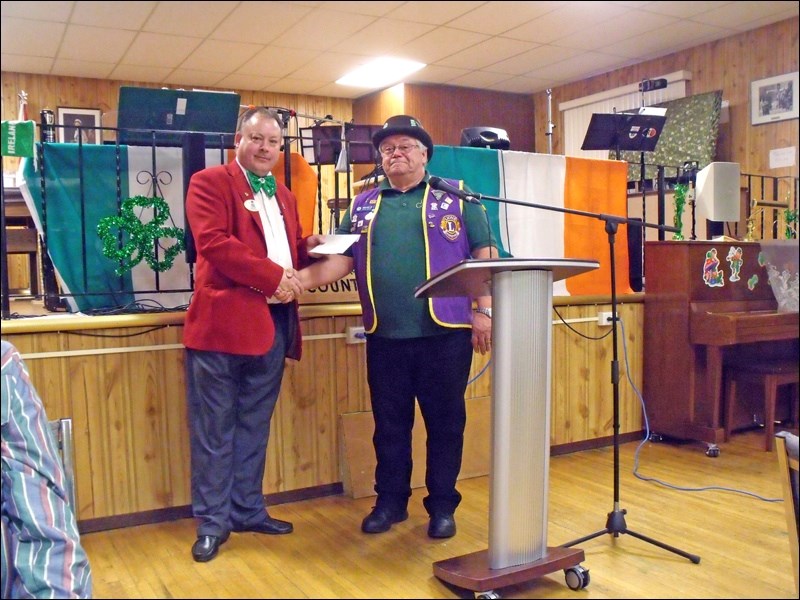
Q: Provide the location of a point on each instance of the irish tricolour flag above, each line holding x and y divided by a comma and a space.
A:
84, 184
579, 184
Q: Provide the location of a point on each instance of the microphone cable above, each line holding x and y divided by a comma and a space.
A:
636, 474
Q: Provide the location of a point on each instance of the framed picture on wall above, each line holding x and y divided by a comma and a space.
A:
79, 124
774, 99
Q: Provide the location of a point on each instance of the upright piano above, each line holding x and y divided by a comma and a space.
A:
706, 304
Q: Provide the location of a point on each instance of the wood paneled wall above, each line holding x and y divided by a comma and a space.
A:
729, 64
474, 108
123, 385
446, 110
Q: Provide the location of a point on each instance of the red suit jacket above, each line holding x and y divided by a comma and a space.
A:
228, 311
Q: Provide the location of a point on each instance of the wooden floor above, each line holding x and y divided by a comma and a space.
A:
741, 539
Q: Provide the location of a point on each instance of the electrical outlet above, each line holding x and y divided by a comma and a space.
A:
604, 319
356, 335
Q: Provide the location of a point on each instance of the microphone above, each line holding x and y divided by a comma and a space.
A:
285, 113
440, 184
318, 122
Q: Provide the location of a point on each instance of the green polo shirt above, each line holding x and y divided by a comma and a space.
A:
398, 260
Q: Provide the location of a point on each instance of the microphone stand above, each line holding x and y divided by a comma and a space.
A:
287, 150
615, 524
549, 129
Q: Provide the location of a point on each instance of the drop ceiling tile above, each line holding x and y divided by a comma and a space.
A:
82, 42
115, 15
488, 52
26, 64
220, 56
159, 50
260, 22
172, 18
32, 38
82, 68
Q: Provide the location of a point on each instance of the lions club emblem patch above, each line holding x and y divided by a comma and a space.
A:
450, 226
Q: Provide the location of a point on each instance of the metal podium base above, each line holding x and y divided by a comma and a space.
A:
472, 572
522, 298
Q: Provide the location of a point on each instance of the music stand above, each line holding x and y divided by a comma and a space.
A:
623, 131
360, 148
321, 144
324, 145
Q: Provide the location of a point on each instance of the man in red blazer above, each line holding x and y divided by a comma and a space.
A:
241, 324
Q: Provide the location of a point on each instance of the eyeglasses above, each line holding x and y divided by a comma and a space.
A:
403, 149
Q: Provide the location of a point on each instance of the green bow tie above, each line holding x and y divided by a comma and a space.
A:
266, 183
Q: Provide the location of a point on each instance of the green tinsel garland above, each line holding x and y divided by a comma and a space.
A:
680, 202
790, 216
141, 237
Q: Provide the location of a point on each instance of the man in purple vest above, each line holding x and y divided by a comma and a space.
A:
418, 349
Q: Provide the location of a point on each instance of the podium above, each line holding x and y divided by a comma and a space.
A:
522, 301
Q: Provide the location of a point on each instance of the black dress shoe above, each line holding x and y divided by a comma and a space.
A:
382, 519
442, 526
206, 547
270, 526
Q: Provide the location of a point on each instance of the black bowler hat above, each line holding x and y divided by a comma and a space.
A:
403, 125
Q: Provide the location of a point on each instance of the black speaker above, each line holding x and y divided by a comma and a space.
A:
485, 137
635, 258
194, 160
714, 229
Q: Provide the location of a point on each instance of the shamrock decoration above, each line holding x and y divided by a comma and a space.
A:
141, 237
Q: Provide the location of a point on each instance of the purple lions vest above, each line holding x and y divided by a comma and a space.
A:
445, 244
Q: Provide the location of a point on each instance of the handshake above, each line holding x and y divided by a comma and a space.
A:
294, 283
290, 288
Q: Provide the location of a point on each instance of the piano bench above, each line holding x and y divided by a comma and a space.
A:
770, 375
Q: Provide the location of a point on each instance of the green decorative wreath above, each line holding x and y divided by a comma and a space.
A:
142, 238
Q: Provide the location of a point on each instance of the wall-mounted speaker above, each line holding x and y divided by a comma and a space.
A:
485, 137
719, 191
